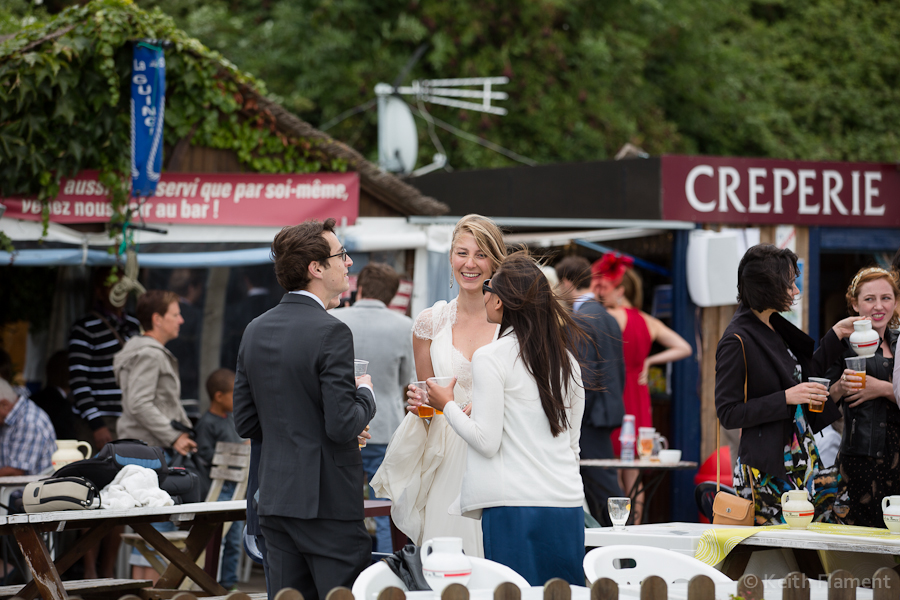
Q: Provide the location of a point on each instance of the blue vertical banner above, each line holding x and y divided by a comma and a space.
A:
148, 102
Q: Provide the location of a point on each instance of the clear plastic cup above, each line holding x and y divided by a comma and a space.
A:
819, 407
360, 367
858, 364
424, 411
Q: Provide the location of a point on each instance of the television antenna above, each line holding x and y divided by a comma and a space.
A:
398, 141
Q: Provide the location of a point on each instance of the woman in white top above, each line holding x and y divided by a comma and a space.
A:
522, 475
425, 460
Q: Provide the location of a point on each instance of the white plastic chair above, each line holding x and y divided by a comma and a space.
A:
629, 565
486, 575
373, 579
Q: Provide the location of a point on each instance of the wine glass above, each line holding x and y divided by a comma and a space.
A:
619, 509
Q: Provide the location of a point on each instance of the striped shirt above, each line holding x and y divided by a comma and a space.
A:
92, 346
27, 438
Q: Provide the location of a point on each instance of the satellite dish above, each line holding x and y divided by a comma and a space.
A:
398, 139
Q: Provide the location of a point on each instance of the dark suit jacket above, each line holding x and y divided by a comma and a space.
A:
294, 390
766, 418
602, 366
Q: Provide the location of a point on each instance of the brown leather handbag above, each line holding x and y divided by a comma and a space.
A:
729, 509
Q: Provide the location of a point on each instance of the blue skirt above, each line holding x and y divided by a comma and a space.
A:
536, 542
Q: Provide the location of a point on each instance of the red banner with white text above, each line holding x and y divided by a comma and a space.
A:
253, 199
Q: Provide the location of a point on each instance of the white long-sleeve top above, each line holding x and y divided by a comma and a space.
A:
513, 459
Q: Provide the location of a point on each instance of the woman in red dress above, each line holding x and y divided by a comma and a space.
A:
621, 293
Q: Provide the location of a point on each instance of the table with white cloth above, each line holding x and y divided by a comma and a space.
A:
803, 544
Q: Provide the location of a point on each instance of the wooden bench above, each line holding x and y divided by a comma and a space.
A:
89, 589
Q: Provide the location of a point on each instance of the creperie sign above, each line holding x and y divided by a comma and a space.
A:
736, 190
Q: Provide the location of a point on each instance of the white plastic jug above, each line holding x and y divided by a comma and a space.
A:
796, 508
68, 451
443, 563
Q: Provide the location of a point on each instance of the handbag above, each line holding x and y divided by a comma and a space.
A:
729, 509
60, 493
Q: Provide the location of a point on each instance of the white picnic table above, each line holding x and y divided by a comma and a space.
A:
203, 519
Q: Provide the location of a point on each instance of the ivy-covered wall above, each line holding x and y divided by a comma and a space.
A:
64, 103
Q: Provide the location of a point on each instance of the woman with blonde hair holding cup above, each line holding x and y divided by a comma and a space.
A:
424, 464
870, 445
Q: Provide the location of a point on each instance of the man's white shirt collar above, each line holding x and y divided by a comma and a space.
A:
311, 295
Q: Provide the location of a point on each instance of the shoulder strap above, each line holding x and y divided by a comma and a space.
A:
109, 326
719, 425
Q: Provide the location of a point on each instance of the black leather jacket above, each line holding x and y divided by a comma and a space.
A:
865, 425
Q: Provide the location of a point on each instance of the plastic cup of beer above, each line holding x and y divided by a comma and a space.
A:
424, 411
819, 407
858, 364
363, 443
359, 367
442, 382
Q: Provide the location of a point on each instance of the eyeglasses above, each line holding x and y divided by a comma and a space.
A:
343, 254
486, 288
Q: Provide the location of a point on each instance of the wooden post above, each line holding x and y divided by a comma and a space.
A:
605, 589
841, 585
796, 587
455, 591
654, 588
885, 584
288, 594
506, 591
701, 587
557, 589
750, 587
391, 593
339, 593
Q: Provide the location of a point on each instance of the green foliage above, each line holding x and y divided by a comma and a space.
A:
812, 80
64, 101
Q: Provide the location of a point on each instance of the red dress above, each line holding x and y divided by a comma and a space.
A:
636, 342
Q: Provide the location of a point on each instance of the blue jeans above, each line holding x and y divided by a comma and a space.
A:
231, 543
372, 457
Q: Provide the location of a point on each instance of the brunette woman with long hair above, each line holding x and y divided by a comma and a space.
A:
522, 475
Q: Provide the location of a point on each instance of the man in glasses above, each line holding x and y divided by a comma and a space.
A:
295, 391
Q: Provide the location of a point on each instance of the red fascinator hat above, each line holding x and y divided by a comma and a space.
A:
612, 266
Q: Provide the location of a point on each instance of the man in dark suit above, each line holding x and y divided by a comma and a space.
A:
603, 372
295, 391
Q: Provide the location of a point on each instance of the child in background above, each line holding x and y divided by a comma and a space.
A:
217, 425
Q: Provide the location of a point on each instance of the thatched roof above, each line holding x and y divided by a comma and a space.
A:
384, 186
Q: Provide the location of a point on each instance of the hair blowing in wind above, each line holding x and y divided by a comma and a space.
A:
545, 330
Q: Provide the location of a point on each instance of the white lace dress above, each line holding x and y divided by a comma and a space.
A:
424, 464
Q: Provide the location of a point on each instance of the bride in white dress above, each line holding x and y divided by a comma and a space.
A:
425, 461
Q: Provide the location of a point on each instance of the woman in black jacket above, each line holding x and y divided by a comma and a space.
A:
870, 445
762, 366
